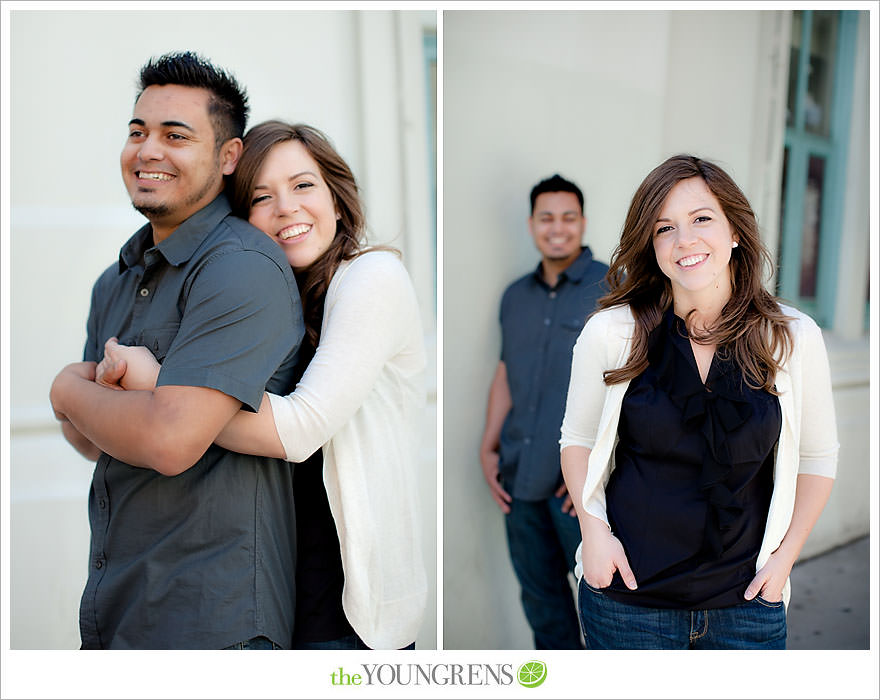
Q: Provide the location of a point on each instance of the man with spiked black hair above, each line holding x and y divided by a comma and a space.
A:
228, 102
541, 316
192, 546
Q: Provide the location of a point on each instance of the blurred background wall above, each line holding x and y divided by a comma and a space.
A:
367, 79
779, 99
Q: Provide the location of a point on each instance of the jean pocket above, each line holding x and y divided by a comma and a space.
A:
592, 589
768, 603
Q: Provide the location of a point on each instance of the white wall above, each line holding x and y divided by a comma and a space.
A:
72, 87
600, 97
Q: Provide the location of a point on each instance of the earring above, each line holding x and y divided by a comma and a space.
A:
735, 244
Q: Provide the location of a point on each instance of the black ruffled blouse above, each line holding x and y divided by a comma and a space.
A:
693, 477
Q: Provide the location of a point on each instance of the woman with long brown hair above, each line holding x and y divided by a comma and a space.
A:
360, 580
699, 427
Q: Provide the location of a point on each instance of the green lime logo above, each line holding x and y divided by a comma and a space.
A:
531, 674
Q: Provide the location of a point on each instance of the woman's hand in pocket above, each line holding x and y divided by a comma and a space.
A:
602, 554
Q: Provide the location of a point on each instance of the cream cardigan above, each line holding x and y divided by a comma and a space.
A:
362, 398
807, 441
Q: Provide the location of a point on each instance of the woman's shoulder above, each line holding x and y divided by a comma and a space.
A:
610, 329
613, 318
799, 322
377, 270
382, 260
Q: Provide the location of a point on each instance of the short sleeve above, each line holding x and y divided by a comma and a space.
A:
239, 325
502, 309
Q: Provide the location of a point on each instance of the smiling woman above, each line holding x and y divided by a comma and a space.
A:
360, 578
293, 205
693, 243
699, 428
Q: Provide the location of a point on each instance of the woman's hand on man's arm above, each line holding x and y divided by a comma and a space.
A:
129, 367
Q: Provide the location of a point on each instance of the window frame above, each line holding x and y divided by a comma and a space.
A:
801, 145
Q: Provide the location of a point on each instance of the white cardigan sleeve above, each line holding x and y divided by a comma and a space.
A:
366, 322
586, 385
818, 435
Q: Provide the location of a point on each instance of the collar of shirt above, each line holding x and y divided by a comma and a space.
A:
574, 272
180, 245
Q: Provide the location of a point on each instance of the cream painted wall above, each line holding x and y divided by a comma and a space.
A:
72, 86
600, 97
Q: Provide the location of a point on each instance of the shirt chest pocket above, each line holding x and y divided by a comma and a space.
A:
158, 340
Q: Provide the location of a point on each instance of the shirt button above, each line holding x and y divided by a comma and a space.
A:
102, 504
528, 441
145, 292
552, 295
546, 321
99, 563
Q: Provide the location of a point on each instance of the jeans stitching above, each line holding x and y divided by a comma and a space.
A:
694, 636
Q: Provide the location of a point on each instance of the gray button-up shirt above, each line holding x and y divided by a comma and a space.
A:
539, 326
204, 559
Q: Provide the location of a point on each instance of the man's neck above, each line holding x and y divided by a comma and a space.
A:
164, 226
162, 231
551, 269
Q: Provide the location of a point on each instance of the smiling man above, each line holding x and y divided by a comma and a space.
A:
192, 546
541, 316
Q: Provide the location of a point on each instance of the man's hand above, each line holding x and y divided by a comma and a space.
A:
567, 505
61, 385
498, 407
489, 460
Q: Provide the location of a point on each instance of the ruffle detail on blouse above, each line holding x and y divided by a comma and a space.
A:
715, 409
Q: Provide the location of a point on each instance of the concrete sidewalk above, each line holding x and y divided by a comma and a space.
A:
830, 599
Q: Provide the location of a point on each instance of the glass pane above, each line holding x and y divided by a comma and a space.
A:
823, 45
793, 58
812, 219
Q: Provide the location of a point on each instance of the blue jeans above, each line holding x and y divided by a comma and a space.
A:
609, 624
352, 641
542, 541
255, 643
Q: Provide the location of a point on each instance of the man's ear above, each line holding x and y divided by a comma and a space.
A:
230, 152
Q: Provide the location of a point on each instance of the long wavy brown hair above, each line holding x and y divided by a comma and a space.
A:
751, 328
350, 238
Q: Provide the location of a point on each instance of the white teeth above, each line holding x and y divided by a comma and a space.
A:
692, 260
154, 176
294, 231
